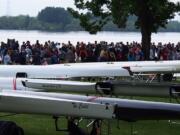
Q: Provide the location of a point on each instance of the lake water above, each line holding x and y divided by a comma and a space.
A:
64, 37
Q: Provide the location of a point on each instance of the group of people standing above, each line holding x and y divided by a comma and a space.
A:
50, 52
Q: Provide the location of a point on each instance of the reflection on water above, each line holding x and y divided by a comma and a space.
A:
64, 37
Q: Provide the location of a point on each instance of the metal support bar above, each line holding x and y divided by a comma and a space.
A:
177, 100
56, 118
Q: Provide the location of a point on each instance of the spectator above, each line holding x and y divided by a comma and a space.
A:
52, 53
7, 59
82, 52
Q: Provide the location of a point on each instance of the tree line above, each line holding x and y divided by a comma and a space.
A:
59, 19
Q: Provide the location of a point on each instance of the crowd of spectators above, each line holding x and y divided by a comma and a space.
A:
50, 52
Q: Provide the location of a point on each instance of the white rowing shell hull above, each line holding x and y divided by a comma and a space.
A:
14, 84
16, 102
119, 88
89, 69
140, 66
86, 106
61, 85
174, 63
61, 71
46, 85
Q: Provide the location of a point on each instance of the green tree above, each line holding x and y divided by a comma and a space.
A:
151, 15
54, 15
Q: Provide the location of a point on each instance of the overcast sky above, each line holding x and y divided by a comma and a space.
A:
31, 7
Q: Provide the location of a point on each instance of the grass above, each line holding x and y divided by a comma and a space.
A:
33, 124
44, 125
